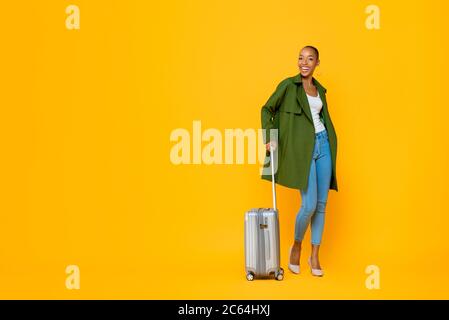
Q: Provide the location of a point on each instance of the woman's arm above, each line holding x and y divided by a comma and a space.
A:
269, 111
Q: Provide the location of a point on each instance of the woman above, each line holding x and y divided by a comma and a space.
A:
307, 150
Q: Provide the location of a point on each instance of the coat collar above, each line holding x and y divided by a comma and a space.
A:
298, 80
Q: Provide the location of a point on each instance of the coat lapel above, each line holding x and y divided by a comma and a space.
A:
302, 97
323, 99
303, 102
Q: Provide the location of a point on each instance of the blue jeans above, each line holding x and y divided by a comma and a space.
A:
313, 203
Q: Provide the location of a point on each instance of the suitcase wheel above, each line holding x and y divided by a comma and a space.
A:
249, 276
279, 275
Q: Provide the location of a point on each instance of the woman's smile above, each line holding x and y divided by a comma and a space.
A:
305, 69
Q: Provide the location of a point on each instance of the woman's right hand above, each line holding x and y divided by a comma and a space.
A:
273, 145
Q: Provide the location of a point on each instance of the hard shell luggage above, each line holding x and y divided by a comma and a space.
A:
262, 245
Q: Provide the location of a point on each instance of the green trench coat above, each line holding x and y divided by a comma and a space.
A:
288, 110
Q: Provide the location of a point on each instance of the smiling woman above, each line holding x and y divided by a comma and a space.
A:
307, 149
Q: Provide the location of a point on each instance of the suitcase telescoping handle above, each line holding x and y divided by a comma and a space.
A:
273, 184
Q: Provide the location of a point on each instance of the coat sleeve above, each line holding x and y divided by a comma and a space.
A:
270, 110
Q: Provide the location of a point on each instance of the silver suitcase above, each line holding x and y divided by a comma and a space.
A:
262, 245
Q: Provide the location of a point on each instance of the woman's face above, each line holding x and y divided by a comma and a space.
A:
307, 62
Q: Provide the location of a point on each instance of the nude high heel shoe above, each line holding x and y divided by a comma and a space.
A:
292, 267
315, 272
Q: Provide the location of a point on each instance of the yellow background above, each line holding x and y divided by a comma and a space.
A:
86, 117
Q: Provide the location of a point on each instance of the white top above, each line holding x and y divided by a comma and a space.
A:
316, 104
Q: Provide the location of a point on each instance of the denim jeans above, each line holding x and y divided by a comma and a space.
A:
313, 203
